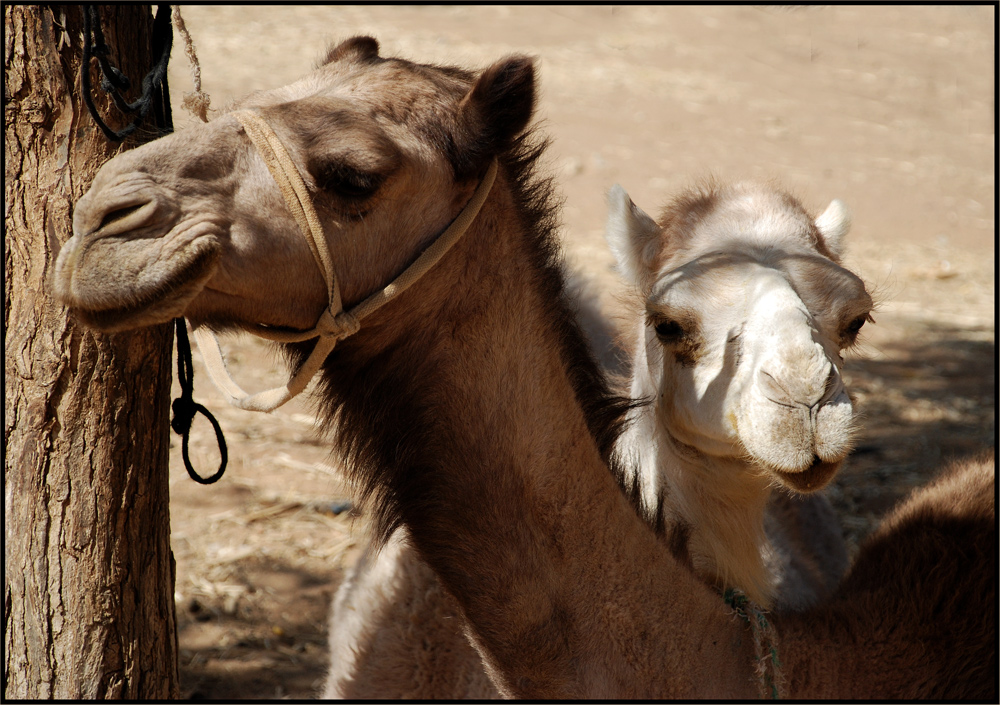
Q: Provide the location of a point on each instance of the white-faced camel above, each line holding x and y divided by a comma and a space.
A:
469, 407
743, 313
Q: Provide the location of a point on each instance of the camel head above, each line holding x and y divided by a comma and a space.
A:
747, 312
193, 224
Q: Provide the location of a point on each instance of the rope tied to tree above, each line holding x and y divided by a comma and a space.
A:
197, 101
765, 642
113, 81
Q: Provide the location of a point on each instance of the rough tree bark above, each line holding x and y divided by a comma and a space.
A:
89, 577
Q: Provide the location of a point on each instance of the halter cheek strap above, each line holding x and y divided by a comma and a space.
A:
335, 323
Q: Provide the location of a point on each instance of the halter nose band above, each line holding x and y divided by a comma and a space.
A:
335, 323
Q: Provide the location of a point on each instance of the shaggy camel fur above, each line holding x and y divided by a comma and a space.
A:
470, 409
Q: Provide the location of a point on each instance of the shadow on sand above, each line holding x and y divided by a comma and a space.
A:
926, 400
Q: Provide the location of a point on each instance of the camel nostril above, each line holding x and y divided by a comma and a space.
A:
118, 214
774, 390
127, 217
800, 386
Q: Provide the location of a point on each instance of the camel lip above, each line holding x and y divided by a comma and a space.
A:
156, 305
814, 478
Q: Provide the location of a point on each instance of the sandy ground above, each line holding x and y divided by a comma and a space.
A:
887, 108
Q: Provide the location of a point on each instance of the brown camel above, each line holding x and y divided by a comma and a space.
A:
396, 633
470, 410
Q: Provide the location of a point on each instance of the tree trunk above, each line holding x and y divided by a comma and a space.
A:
89, 577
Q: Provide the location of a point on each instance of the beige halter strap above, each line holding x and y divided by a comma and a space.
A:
335, 323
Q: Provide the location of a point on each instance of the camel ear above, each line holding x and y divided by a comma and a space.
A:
833, 224
361, 48
634, 238
495, 111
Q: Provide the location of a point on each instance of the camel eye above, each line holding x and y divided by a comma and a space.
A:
850, 333
347, 182
669, 331
854, 326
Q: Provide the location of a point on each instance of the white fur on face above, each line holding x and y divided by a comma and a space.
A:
794, 407
756, 371
739, 353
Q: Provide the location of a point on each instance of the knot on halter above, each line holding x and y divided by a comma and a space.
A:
339, 325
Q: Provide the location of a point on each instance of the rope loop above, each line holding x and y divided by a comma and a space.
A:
223, 451
185, 408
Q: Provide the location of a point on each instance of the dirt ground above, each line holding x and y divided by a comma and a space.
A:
887, 108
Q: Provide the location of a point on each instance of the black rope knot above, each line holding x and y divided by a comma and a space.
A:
117, 81
185, 408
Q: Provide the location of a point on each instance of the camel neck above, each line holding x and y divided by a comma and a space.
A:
471, 431
714, 505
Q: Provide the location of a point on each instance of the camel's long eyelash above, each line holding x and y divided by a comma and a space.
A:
852, 330
668, 330
347, 182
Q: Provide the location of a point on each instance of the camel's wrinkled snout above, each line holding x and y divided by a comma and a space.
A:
133, 259
130, 213
792, 436
796, 416
807, 390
